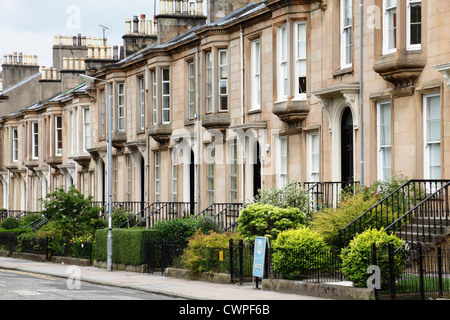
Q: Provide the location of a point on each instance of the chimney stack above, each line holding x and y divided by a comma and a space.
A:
178, 16
138, 34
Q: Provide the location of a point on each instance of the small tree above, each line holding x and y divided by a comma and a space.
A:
72, 213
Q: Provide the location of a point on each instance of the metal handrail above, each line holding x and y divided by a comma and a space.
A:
358, 224
396, 225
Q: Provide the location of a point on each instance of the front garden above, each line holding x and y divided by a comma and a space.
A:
304, 244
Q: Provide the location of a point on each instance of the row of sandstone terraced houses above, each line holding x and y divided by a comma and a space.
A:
208, 107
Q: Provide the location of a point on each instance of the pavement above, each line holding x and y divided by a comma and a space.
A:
152, 283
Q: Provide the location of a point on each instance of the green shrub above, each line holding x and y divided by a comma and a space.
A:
357, 257
290, 195
29, 218
182, 228
202, 252
119, 216
10, 223
299, 252
128, 245
327, 222
268, 221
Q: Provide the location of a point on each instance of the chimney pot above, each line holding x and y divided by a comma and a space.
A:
142, 26
162, 7
135, 25
128, 26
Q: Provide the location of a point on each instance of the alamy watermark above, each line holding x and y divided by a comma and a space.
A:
73, 21
73, 282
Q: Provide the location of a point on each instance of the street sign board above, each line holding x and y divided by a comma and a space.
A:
259, 256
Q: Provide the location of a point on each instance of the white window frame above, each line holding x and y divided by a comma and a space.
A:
103, 114
233, 171
384, 148
209, 82
114, 177
121, 106
223, 80
428, 144
15, 144
58, 136
129, 177
410, 46
191, 91
174, 175
142, 103
346, 33
157, 177
282, 161
256, 74
313, 157
300, 57
165, 94
210, 171
386, 27
282, 53
35, 140
154, 98
86, 128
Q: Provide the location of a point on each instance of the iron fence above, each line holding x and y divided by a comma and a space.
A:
46, 247
425, 274
306, 265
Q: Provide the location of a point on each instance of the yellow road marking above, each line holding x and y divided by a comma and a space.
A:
28, 274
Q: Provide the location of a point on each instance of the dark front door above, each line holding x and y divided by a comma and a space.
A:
347, 146
257, 170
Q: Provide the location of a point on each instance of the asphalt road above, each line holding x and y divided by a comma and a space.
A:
18, 285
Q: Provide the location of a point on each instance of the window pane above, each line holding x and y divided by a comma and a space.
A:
415, 23
165, 73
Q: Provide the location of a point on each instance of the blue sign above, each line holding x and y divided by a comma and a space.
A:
259, 256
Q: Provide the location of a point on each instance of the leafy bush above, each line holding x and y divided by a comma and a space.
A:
357, 257
119, 216
290, 195
202, 252
268, 221
10, 223
328, 221
299, 252
29, 218
182, 228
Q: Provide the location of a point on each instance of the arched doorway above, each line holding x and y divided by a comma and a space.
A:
347, 174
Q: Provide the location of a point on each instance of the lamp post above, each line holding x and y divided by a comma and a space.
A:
110, 237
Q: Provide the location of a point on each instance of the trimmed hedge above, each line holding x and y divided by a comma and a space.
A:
128, 245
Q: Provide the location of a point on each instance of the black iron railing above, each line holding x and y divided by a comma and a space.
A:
327, 194
393, 206
427, 220
159, 211
226, 214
